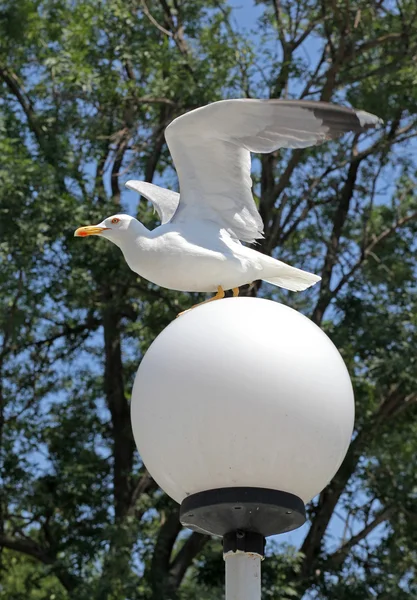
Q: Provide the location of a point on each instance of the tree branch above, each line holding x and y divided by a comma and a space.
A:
117, 164
281, 33
192, 546
31, 548
177, 33
336, 559
123, 443
91, 324
370, 248
393, 405
333, 245
12, 82
154, 21
144, 485
162, 586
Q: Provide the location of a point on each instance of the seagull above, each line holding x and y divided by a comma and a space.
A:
202, 242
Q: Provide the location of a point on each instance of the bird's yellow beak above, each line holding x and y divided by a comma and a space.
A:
89, 230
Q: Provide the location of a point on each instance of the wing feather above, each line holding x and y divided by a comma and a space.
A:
211, 149
164, 201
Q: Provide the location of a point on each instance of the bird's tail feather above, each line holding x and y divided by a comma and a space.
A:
291, 278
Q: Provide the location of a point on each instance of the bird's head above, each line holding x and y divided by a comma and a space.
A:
114, 228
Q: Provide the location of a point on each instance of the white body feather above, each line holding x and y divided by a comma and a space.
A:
184, 259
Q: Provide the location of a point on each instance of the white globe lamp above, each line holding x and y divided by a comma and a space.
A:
242, 411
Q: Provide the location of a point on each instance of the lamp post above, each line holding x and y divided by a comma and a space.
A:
242, 411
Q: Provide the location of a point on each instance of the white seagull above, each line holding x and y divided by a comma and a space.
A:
198, 246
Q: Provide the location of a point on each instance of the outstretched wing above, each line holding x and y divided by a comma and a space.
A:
164, 201
211, 149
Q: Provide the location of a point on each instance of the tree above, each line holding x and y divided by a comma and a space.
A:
87, 89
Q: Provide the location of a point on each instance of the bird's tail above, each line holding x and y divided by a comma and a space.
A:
290, 278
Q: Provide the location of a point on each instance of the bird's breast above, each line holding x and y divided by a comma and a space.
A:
171, 261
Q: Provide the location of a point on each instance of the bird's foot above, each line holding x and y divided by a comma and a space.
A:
218, 296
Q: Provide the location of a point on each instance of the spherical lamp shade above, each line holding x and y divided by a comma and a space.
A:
242, 392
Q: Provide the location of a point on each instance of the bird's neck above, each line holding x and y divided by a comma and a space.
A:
133, 236
136, 248
140, 231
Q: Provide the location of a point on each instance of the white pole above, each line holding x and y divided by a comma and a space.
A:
243, 576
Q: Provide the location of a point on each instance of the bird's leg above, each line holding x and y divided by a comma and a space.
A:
218, 296
235, 292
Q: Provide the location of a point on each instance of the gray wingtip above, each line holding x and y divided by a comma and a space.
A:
368, 120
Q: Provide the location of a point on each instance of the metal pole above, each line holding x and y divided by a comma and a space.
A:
243, 575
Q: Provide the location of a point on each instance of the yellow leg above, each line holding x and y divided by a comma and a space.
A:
235, 292
218, 296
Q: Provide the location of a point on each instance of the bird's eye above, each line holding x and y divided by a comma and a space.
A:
115, 220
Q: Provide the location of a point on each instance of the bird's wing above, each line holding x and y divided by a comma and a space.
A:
164, 201
211, 149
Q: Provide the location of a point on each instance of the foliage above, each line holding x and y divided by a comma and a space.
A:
87, 89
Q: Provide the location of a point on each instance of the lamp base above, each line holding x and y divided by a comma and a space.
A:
247, 509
